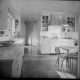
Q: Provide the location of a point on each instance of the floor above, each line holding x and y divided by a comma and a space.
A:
41, 66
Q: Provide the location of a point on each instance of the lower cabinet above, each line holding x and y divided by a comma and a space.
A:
16, 67
6, 68
11, 67
17, 64
45, 47
15, 72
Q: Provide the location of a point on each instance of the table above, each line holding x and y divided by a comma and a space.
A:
69, 49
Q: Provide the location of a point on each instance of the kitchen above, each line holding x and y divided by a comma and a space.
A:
58, 32
40, 28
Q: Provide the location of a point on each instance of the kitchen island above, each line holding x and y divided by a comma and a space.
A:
11, 59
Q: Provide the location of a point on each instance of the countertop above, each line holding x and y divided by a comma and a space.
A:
8, 52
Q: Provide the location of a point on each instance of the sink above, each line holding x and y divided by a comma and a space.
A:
18, 40
11, 42
7, 43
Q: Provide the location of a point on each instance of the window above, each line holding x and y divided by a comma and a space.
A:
44, 23
11, 22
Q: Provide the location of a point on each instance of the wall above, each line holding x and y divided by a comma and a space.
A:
31, 36
4, 5
79, 46
34, 38
30, 31
3, 17
34, 34
77, 23
38, 33
23, 30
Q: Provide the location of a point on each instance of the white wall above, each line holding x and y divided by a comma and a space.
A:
30, 31
3, 10
4, 5
23, 30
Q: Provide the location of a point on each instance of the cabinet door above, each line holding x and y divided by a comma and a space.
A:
15, 69
19, 66
5, 68
45, 46
53, 48
17, 63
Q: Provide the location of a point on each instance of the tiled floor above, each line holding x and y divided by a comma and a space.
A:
41, 66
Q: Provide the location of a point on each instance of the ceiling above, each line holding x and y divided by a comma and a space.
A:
30, 9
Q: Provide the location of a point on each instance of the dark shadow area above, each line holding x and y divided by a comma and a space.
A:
26, 50
6, 68
38, 52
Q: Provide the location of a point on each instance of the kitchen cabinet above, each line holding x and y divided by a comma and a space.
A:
67, 21
48, 46
45, 46
17, 63
58, 42
44, 22
12, 58
57, 28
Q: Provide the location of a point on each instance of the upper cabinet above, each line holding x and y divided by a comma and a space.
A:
57, 19
58, 25
44, 22
70, 27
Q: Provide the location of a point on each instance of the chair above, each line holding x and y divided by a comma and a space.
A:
57, 50
73, 57
62, 56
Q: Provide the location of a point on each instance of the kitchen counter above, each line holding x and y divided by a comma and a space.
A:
14, 53
8, 52
68, 48
48, 46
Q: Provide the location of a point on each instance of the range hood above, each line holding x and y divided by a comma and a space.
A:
57, 20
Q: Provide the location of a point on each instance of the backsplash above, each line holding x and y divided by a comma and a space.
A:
55, 32
61, 35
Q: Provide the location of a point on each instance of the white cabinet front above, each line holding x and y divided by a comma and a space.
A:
45, 47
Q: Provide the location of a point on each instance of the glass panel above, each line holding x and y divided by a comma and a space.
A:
71, 23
